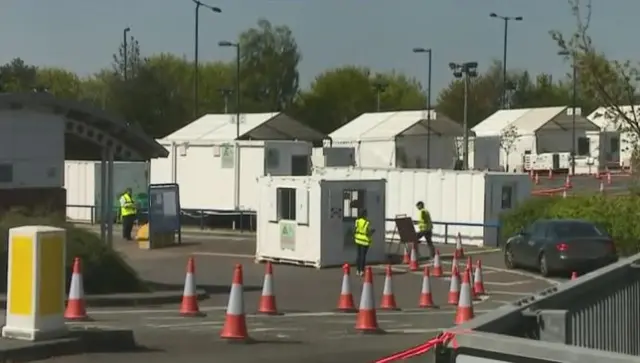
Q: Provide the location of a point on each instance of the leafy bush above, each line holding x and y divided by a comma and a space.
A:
619, 215
104, 270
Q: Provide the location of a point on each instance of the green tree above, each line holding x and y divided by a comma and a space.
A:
269, 58
17, 76
341, 94
60, 82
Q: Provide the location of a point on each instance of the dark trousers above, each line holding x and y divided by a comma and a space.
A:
361, 257
127, 226
427, 235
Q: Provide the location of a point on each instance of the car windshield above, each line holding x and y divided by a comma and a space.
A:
577, 230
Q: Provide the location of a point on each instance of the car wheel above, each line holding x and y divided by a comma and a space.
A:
509, 260
542, 265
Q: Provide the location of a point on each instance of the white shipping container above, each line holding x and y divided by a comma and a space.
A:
205, 170
82, 182
453, 197
309, 220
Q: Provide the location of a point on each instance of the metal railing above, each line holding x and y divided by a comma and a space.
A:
445, 236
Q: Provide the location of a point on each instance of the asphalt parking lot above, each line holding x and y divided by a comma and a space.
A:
308, 327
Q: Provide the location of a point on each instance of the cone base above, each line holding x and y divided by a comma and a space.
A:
269, 312
346, 310
463, 316
77, 318
437, 274
235, 328
390, 308
374, 331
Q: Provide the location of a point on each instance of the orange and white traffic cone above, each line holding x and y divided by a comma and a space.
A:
388, 301
189, 306
366, 320
574, 275
454, 264
464, 312
76, 307
235, 324
469, 267
601, 186
405, 257
345, 302
459, 251
564, 193
437, 267
567, 182
608, 178
413, 263
454, 287
597, 174
268, 298
550, 176
478, 283
536, 179
426, 299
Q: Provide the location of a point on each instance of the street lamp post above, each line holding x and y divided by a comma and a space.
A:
226, 92
195, 61
237, 46
429, 54
506, 20
574, 93
467, 70
379, 87
126, 50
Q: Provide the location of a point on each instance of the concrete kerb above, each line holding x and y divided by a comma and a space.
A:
80, 341
131, 299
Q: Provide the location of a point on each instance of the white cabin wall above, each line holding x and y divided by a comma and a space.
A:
523, 144
376, 154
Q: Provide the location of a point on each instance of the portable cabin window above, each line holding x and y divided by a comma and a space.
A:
507, 197
286, 204
584, 144
614, 145
300, 165
352, 203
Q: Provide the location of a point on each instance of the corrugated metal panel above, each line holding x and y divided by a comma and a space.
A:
532, 121
494, 124
354, 129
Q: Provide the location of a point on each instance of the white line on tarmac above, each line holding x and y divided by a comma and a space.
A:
150, 311
414, 331
222, 254
184, 325
522, 273
259, 330
511, 293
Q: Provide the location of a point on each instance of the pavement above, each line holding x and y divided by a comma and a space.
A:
308, 329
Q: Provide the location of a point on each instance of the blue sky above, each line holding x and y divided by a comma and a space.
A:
81, 35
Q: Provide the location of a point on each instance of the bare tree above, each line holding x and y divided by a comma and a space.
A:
508, 138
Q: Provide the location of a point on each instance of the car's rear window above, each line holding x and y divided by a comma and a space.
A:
577, 230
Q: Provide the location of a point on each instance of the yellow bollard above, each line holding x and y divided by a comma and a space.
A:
35, 283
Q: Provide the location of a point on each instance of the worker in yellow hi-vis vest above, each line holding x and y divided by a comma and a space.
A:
128, 213
425, 227
362, 236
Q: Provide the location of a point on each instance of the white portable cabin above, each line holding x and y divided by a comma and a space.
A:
401, 139
203, 161
310, 220
333, 156
82, 182
616, 145
543, 142
451, 196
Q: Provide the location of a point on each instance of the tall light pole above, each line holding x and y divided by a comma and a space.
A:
379, 87
226, 93
126, 50
506, 20
574, 93
195, 61
428, 52
237, 46
467, 70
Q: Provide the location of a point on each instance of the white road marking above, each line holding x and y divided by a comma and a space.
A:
522, 273
511, 293
503, 302
414, 331
185, 325
150, 311
260, 330
222, 254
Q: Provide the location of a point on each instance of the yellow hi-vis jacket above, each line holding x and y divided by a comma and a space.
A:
361, 233
424, 220
127, 206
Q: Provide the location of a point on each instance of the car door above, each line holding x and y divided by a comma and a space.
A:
536, 240
519, 245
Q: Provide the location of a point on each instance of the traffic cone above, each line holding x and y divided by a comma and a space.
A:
469, 267
567, 182
189, 306
601, 186
574, 275
345, 302
454, 287
366, 320
235, 324
608, 178
405, 258
536, 179
459, 251
597, 174
268, 299
437, 267
413, 263
454, 264
388, 301
426, 299
550, 174
478, 284
464, 312
564, 193
76, 308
